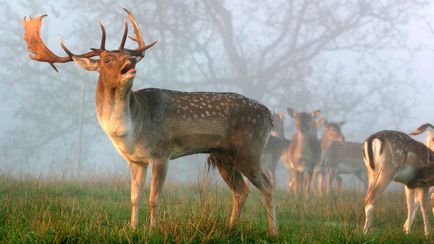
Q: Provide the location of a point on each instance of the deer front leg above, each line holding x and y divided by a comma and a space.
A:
412, 207
330, 178
159, 170
138, 179
362, 177
314, 182
339, 180
424, 206
307, 180
320, 185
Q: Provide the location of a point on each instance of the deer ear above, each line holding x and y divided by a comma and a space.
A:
341, 123
87, 63
291, 112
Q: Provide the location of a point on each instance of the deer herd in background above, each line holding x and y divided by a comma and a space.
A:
314, 164
384, 157
152, 126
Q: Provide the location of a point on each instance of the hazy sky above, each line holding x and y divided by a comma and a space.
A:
421, 65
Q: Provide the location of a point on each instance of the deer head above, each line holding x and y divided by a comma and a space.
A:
278, 127
333, 131
115, 66
305, 122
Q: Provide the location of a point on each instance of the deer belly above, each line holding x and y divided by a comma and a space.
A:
195, 143
406, 175
350, 166
424, 177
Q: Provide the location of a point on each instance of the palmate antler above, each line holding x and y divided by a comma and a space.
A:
39, 51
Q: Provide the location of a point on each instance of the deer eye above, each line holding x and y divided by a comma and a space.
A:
107, 60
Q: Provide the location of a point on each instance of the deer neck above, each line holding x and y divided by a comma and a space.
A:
304, 142
115, 106
325, 141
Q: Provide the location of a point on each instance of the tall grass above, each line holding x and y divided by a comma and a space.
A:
99, 211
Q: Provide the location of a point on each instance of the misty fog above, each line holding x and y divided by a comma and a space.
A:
369, 63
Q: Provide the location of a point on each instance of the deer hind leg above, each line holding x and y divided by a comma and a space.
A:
422, 195
339, 180
292, 181
234, 180
321, 178
314, 182
376, 187
412, 207
252, 170
138, 179
272, 170
159, 171
362, 177
297, 182
307, 178
330, 178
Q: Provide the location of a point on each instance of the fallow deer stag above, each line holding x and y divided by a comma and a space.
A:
152, 126
304, 151
394, 156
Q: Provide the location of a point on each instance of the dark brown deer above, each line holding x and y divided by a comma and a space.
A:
276, 147
304, 150
394, 156
152, 126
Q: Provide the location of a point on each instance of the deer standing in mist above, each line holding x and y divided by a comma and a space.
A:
339, 157
276, 147
152, 126
394, 156
429, 142
331, 133
304, 151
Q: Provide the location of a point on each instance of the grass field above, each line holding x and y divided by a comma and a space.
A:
98, 210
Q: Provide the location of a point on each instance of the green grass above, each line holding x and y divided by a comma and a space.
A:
35, 211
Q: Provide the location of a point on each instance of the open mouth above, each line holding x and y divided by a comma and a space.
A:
128, 68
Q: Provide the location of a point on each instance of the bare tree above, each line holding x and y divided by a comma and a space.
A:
301, 53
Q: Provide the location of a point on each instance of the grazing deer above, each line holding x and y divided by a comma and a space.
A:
304, 151
152, 126
394, 156
340, 157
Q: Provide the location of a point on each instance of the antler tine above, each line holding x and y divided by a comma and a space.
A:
102, 46
124, 37
70, 54
138, 38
